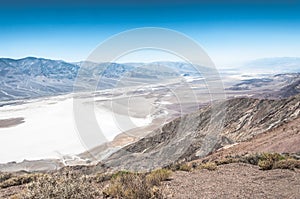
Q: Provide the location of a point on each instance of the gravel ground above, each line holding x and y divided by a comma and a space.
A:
234, 181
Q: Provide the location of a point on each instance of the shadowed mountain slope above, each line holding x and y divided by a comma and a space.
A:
196, 135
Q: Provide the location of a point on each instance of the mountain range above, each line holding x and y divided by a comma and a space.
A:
32, 77
37, 77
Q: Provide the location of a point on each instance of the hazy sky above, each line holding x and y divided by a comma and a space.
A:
229, 32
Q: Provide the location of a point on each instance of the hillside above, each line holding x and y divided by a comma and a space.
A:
32, 77
190, 137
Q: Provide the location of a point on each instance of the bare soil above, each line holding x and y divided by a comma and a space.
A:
282, 139
239, 180
235, 180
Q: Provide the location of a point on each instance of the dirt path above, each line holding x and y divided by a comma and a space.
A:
234, 181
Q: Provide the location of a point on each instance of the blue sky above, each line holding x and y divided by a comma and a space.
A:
230, 32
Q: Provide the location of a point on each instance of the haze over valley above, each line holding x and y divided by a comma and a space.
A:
37, 102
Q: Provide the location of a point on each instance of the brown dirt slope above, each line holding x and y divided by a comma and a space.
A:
239, 180
282, 139
234, 181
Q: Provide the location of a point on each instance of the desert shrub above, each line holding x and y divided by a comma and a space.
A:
19, 180
246, 158
272, 156
287, 164
173, 167
136, 185
226, 161
265, 164
251, 159
267, 160
102, 177
5, 176
211, 166
120, 173
66, 185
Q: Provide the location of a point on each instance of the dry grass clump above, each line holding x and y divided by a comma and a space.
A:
57, 186
226, 161
136, 185
181, 167
211, 166
157, 176
185, 167
128, 185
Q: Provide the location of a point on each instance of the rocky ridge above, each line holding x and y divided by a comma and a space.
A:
197, 135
